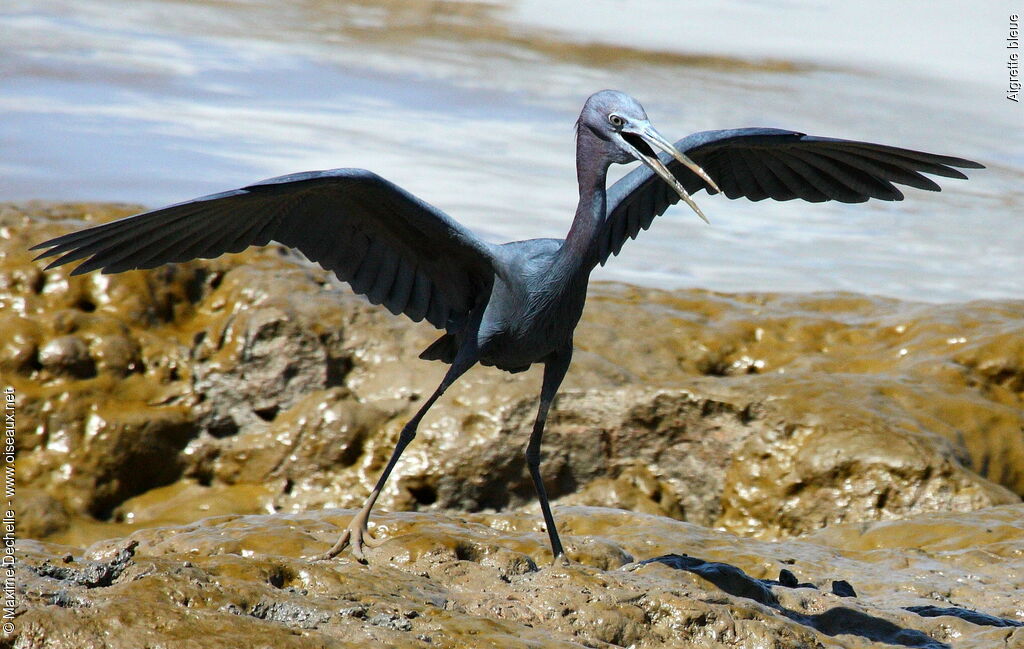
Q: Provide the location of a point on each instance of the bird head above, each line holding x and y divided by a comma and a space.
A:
621, 122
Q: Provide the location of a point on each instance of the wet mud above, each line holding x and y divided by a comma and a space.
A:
485, 580
248, 392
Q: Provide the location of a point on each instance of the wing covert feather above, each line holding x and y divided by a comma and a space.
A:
760, 163
386, 243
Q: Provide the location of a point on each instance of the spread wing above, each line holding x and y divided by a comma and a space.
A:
760, 163
387, 244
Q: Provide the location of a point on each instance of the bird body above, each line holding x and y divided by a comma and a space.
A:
537, 304
511, 305
534, 312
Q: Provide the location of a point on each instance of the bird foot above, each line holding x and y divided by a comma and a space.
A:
356, 535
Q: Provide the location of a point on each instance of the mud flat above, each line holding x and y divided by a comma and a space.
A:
181, 429
473, 581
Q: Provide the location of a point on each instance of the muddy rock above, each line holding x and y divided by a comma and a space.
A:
486, 581
254, 383
117, 375
729, 470
955, 370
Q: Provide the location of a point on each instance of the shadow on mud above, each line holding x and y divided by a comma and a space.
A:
835, 621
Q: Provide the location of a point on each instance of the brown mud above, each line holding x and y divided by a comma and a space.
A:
485, 580
866, 439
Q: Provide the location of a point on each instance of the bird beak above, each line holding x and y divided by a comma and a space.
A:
644, 152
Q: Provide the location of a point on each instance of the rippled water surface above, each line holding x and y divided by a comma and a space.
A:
470, 105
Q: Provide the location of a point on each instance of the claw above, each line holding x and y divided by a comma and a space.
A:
356, 535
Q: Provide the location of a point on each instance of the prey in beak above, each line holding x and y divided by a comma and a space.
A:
641, 138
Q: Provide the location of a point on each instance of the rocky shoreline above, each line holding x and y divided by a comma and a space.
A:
205, 413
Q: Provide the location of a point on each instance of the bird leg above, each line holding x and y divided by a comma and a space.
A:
554, 372
356, 534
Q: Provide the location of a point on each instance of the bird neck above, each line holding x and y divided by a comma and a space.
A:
580, 250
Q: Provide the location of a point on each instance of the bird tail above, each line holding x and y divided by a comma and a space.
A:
442, 349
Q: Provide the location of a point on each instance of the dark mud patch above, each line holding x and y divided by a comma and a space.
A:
835, 621
88, 573
974, 617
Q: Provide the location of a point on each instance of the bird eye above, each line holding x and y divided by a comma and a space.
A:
616, 120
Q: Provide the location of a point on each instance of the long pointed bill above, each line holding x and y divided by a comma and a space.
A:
651, 136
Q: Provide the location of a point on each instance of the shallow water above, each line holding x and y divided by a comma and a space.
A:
467, 103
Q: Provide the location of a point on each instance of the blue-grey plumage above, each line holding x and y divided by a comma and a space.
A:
511, 305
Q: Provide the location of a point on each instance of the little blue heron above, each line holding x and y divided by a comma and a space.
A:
514, 304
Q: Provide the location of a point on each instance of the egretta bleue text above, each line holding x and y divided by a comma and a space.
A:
510, 305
